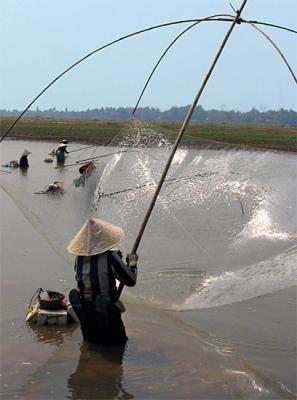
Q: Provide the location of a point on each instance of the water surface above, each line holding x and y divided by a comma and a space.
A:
214, 312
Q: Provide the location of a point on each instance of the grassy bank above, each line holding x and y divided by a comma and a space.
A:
103, 132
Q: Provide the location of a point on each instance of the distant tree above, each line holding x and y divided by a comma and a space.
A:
254, 116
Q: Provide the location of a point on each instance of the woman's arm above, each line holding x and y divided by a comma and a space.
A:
128, 275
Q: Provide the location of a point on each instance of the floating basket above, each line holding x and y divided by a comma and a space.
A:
48, 160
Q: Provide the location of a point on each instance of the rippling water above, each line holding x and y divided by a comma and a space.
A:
214, 312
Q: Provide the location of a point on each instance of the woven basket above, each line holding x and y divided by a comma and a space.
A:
53, 303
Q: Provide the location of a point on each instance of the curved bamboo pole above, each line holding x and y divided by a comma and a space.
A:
84, 58
277, 49
211, 18
253, 24
123, 38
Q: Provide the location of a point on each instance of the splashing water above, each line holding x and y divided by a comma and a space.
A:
235, 286
223, 231
228, 215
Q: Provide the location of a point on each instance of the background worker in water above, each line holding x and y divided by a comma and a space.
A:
24, 159
96, 301
61, 151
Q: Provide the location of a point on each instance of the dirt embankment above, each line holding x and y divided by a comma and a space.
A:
112, 132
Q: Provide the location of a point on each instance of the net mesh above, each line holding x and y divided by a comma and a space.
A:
220, 209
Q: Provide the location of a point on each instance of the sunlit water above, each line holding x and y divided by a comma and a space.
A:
214, 312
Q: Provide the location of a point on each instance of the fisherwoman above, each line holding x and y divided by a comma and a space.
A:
60, 153
97, 266
23, 163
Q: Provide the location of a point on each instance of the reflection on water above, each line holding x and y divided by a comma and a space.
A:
99, 374
24, 171
51, 334
99, 370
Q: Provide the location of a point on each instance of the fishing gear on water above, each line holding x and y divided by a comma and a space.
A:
48, 307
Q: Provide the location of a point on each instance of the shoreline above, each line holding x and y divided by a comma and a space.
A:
198, 135
212, 145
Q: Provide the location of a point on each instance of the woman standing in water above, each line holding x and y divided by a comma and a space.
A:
24, 159
96, 301
60, 153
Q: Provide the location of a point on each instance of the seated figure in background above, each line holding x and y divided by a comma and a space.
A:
53, 187
85, 172
11, 164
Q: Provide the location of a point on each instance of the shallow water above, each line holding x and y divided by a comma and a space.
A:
214, 312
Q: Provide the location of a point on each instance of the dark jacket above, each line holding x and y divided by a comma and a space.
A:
24, 162
60, 154
97, 275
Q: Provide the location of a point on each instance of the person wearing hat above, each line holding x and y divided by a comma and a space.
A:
60, 153
24, 159
97, 267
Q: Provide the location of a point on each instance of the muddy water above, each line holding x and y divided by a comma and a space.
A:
214, 311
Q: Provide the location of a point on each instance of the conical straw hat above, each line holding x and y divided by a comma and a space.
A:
95, 237
26, 152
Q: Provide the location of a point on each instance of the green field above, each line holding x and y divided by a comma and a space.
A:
197, 134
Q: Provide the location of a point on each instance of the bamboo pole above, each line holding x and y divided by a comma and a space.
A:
123, 38
83, 148
81, 60
180, 135
90, 159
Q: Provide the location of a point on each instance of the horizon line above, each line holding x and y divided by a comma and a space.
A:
66, 109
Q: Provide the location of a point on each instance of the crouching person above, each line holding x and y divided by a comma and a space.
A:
97, 266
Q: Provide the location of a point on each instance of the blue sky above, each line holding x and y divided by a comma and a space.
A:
39, 39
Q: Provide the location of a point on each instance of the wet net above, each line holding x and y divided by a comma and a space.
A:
221, 211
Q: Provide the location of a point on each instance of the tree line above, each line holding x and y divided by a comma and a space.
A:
254, 116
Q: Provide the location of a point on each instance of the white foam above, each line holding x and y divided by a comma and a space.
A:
231, 287
263, 226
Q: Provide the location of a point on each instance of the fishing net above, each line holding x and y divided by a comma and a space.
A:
220, 209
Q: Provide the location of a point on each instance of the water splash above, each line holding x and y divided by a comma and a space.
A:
262, 225
197, 217
231, 287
